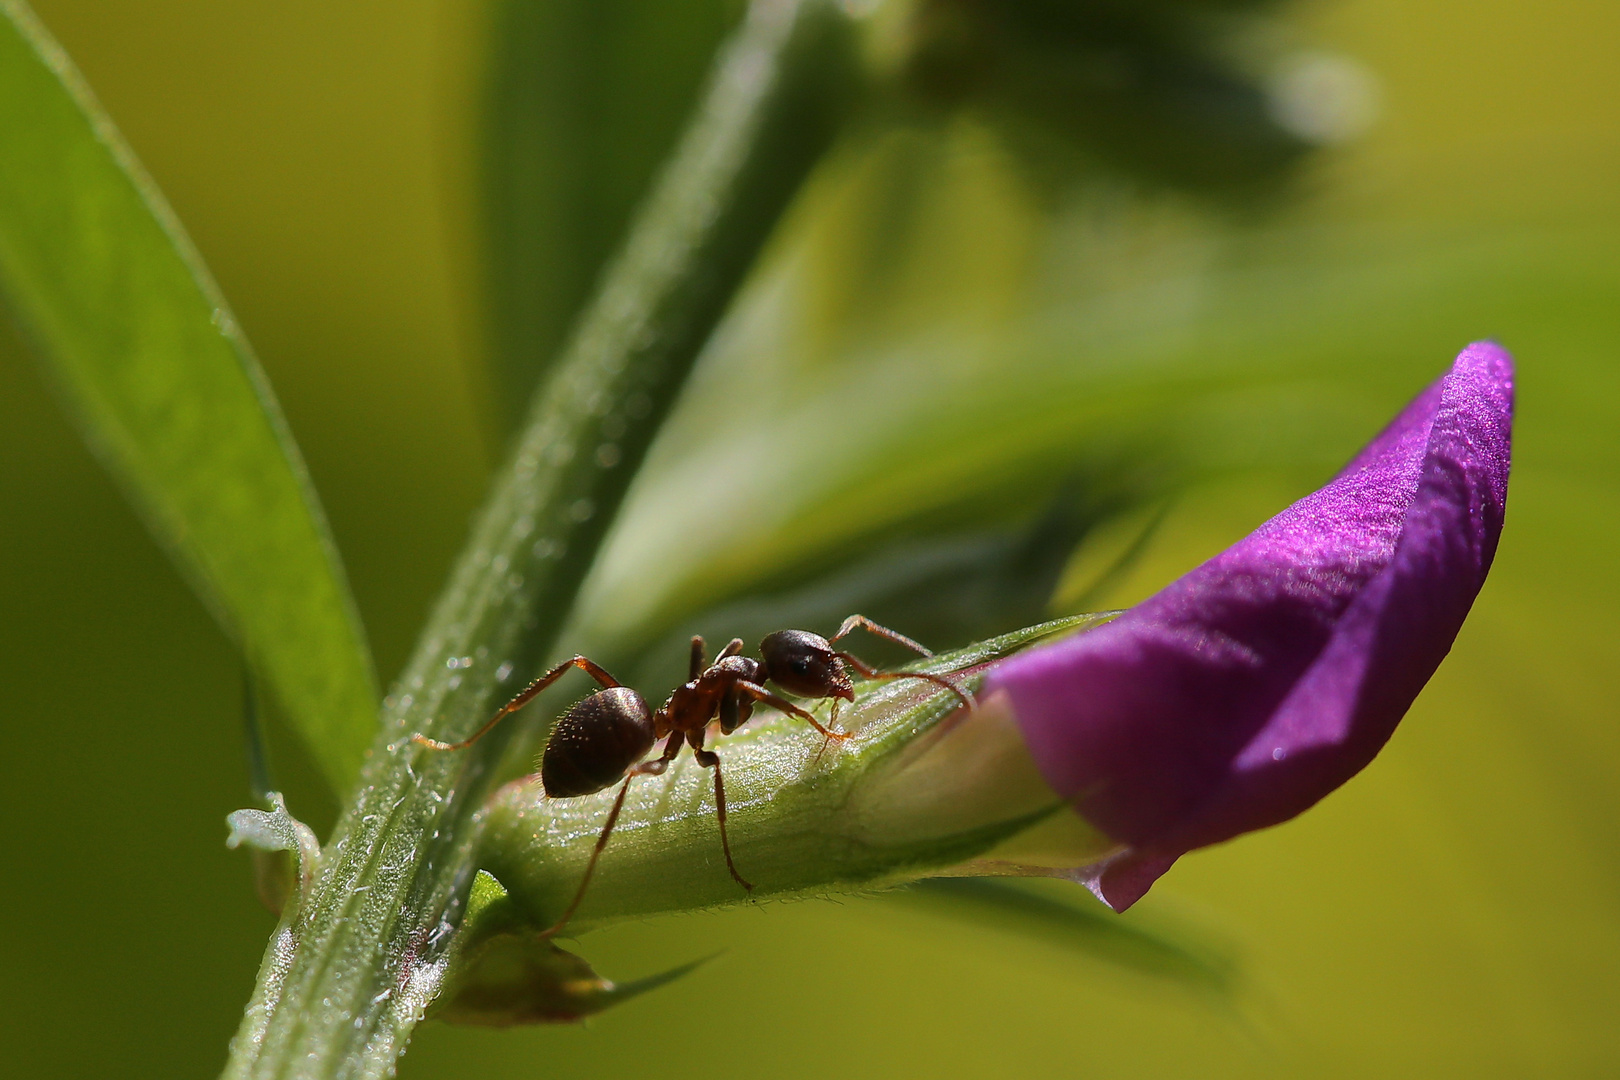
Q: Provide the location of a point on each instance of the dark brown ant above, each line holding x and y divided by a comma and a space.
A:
602, 738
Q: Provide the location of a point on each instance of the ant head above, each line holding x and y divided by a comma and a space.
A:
805, 665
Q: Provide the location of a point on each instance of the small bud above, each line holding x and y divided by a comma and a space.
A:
285, 851
506, 974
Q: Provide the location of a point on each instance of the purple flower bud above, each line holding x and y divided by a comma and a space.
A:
1259, 682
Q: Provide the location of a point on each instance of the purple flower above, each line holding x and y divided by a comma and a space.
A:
1259, 682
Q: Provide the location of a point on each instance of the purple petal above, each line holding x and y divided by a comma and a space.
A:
1259, 682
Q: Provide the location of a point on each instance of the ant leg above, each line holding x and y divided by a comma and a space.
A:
526, 695
730, 715
862, 622
646, 768
826, 740
832, 721
759, 693
699, 657
869, 672
710, 760
590, 867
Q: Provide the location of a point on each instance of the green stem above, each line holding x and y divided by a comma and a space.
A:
348, 973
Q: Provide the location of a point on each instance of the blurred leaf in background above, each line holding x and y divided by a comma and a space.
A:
1168, 92
581, 103
131, 694
1016, 312
150, 360
910, 265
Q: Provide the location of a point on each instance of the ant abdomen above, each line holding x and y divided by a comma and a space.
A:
595, 742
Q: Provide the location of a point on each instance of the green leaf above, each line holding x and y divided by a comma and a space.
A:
1082, 925
582, 101
950, 582
148, 358
1167, 93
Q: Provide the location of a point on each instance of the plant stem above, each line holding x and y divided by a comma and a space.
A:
348, 973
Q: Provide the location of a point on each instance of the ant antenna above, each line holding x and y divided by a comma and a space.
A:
869, 672
862, 622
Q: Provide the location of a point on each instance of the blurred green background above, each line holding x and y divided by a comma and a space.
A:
1453, 911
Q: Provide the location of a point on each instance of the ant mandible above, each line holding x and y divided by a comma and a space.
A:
603, 738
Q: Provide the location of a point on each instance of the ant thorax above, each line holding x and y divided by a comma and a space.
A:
734, 668
693, 704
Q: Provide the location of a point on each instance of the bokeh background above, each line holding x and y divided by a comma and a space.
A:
1453, 911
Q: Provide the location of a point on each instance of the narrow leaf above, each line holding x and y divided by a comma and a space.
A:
1083, 926
958, 583
118, 306
582, 102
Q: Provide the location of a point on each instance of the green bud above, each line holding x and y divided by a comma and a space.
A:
505, 973
922, 787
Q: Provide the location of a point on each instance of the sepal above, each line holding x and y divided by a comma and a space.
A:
506, 973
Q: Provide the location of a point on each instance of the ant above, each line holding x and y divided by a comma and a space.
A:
603, 738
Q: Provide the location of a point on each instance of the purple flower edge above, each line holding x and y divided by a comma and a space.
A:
1248, 689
